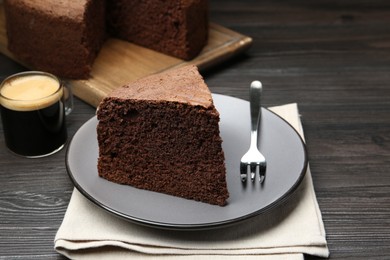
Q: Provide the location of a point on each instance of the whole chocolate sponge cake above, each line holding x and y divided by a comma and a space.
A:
61, 37
161, 133
64, 37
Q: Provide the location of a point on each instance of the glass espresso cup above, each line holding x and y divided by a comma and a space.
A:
33, 108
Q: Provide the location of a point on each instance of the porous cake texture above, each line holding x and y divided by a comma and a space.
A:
61, 37
178, 28
161, 133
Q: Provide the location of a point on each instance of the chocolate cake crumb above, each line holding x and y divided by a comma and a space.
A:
161, 133
177, 28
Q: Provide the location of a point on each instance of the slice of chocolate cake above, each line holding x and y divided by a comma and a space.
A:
61, 37
161, 133
178, 28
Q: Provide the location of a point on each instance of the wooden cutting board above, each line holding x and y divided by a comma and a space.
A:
120, 62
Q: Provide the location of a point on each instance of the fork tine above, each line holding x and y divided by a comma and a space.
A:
243, 171
253, 168
262, 171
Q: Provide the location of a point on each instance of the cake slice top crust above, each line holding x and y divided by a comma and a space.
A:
183, 85
64, 8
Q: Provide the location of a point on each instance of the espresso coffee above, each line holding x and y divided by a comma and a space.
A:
32, 111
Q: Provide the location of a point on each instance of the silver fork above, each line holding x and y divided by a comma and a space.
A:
253, 159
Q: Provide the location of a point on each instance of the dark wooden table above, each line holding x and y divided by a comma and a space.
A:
331, 57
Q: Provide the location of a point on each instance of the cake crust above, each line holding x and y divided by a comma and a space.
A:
181, 85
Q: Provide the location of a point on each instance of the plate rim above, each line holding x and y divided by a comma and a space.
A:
199, 226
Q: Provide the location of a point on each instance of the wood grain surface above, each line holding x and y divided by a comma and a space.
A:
331, 57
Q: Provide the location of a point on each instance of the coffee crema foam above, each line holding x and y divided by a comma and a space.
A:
27, 93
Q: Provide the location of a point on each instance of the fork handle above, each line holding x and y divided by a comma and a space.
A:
255, 109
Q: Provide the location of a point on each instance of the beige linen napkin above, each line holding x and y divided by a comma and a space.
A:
285, 232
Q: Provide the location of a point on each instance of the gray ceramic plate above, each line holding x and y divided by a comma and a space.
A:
279, 142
